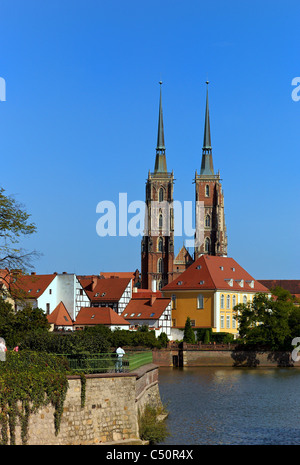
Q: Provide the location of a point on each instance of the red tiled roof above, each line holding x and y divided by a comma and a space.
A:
142, 309
60, 316
291, 285
145, 294
215, 273
99, 316
33, 286
110, 289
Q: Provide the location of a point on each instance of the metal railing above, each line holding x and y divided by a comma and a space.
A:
107, 362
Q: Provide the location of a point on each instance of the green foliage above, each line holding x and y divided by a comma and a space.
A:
163, 339
29, 381
188, 334
14, 222
269, 321
150, 427
222, 338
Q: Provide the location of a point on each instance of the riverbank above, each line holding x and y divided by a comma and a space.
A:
225, 355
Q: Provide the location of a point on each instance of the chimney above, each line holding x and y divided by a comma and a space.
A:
94, 282
153, 285
152, 299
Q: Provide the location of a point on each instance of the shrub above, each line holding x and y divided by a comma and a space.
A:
151, 429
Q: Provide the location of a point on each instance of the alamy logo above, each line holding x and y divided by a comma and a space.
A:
296, 91
295, 356
154, 218
2, 90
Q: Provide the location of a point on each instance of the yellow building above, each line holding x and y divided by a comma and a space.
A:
208, 291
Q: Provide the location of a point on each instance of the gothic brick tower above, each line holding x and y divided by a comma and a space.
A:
157, 255
213, 240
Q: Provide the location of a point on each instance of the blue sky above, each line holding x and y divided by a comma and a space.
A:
79, 123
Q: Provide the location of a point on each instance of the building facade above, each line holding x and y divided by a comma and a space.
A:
208, 291
210, 217
157, 248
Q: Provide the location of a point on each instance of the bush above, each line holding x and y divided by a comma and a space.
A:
222, 338
151, 429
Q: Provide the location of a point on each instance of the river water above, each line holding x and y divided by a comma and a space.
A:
242, 406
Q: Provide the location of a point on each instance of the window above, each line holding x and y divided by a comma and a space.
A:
160, 221
173, 322
152, 314
180, 283
47, 309
200, 301
193, 323
207, 244
207, 190
222, 301
173, 301
50, 291
198, 267
207, 221
222, 321
233, 322
228, 301
201, 282
160, 244
244, 299
227, 321
233, 301
139, 314
160, 285
132, 314
159, 265
161, 195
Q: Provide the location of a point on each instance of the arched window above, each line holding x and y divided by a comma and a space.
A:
228, 301
207, 221
207, 244
207, 190
160, 266
160, 244
233, 301
160, 221
222, 301
161, 195
244, 299
200, 301
160, 285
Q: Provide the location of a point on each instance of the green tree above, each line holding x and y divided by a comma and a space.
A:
14, 224
188, 334
265, 321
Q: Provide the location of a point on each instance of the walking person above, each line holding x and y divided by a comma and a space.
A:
119, 363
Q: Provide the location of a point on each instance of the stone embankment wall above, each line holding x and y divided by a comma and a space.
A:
110, 413
188, 357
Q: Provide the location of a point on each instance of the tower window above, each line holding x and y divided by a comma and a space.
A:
160, 266
207, 190
207, 221
161, 195
160, 221
207, 245
160, 244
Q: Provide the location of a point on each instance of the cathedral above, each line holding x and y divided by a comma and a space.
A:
159, 266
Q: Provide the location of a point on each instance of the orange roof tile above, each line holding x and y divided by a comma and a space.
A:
99, 316
60, 316
211, 272
104, 290
32, 286
142, 309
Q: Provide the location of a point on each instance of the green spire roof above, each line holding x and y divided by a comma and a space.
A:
206, 139
207, 167
160, 160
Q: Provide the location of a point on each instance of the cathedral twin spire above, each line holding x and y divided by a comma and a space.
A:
160, 160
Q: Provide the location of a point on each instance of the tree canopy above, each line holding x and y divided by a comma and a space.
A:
14, 224
268, 321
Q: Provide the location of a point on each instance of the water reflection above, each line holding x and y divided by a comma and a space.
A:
231, 405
